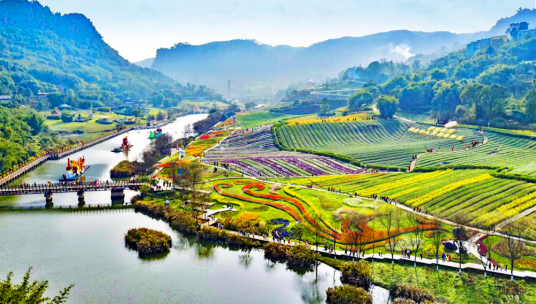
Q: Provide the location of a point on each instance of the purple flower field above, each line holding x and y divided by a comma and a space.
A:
254, 153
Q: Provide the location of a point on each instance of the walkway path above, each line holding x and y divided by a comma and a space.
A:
338, 254
414, 162
212, 212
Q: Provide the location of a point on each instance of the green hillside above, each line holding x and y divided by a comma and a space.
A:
42, 51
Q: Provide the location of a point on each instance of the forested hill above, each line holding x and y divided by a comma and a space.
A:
495, 85
41, 51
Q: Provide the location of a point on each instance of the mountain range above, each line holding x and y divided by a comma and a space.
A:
252, 65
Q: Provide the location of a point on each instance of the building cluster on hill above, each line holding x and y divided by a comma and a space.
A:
516, 32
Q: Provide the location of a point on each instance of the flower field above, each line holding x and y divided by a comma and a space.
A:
304, 207
254, 153
517, 152
373, 142
472, 195
204, 142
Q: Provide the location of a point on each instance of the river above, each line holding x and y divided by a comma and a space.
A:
86, 248
101, 160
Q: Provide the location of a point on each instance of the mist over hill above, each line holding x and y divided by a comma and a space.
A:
253, 65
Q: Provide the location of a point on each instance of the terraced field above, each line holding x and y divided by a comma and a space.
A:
372, 142
472, 196
254, 153
254, 119
518, 152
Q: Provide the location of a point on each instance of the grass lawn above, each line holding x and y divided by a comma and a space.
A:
448, 285
91, 126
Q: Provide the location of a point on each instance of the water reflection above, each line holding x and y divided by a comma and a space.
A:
87, 248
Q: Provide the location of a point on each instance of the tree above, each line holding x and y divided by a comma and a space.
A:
356, 235
160, 116
446, 99
437, 239
136, 113
417, 235
55, 99
391, 222
460, 236
324, 106
149, 158
437, 74
530, 106
193, 174
359, 99
387, 105
514, 243
35, 121
29, 292
157, 100
66, 116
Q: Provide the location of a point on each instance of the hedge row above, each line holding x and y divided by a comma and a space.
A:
458, 167
519, 177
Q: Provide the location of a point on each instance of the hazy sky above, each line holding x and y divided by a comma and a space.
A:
137, 28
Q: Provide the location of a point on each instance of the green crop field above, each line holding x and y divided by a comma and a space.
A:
372, 142
471, 196
516, 151
260, 118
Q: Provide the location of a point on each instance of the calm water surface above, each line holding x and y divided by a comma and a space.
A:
87, 248
101, 160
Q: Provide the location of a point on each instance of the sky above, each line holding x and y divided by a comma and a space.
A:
137, 28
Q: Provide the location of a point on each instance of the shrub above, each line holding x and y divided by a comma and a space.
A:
403, 301
414, 293
248, 216
67, 116
147, 241
276, 251
178, 219
357, 274
302, 256
348, 295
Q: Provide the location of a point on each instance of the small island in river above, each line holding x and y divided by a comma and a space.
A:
148, 241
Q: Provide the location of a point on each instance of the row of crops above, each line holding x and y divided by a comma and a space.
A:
470, 196
518, 152
260, 118
253, 153
385, 142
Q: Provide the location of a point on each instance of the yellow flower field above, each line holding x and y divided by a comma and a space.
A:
437, 193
